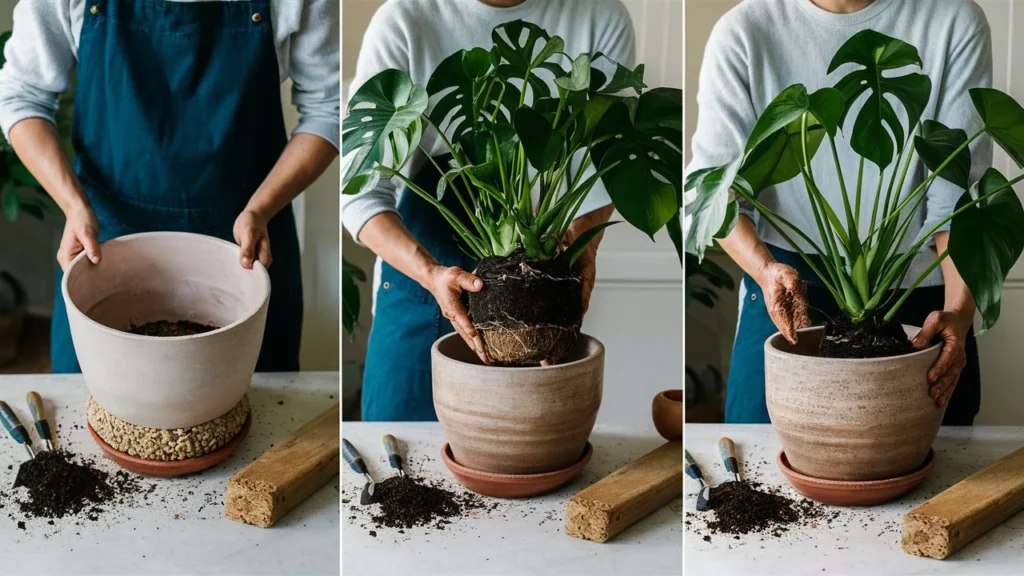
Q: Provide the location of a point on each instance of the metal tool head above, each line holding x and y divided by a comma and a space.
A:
366, 497
703, 498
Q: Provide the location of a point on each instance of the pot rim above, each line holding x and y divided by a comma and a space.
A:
73, 308
435, 350
770, 350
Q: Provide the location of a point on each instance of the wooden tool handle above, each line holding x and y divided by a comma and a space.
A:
692, 470
352, 457
35, 406
728, 451
12, 424
391, 448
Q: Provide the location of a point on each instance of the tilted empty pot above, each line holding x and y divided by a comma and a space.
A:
850, 419
172, 382
516, 420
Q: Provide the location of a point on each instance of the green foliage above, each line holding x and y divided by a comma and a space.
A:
519, 117
864, 271
350, 300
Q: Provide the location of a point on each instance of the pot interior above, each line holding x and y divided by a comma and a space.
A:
455, 348
166, 276
809, 340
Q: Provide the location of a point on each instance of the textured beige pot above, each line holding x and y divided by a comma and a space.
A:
516, 420
850, 419
175, 382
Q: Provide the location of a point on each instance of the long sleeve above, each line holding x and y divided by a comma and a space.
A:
314, 61
40, 57
969, 65
725, 111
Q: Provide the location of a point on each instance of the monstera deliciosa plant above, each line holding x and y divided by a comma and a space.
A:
863, 267
529, 130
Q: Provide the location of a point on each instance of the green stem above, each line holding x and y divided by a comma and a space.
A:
878, 195
474, 243
850, 221
927, 181
895, 307
451, 184
860, 181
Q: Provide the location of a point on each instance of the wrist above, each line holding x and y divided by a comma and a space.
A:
964, 316
760, 270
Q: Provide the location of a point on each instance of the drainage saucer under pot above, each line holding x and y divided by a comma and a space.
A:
514, 485
854, 493
169, 453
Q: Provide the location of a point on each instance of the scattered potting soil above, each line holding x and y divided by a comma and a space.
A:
844, 339
406, 501
747, 507
59, 484
167, 328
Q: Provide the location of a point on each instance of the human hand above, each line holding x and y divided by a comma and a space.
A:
250, 233
952, 327
446, 283
785, 297
81, 231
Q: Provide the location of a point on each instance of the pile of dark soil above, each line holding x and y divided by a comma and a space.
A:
748, 507
58, 484
844, 339
406, 502
528, 310
167, 328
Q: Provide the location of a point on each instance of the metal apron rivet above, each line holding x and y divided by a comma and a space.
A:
753, 297
257, 17
387, 285
94, 9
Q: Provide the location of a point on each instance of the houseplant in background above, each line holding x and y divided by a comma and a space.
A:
20, 193
705, 389
869, 417
522, 117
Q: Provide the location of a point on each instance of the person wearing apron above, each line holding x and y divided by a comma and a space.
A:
178, 122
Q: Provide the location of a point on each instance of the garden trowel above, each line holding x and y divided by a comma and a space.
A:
693, 471
355, 461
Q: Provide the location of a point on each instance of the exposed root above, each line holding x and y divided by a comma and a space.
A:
517, 344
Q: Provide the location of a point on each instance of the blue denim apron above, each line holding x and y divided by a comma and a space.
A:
745, 396
407, 319
177, 122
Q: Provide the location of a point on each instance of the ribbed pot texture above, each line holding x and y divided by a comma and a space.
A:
176, 382
850, 419
516, 420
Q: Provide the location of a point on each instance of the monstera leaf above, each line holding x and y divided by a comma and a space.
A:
708, 212
463, 78
774, 151
521, 49
936, 143
986, 239
1004, 120
383, 124
878, 53
646, 150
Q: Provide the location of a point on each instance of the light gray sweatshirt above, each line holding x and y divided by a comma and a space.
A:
416, 35
43, 51
762, 46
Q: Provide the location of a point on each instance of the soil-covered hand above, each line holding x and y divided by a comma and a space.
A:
446, 283
81, 231
250, 233
951, 327
785, 297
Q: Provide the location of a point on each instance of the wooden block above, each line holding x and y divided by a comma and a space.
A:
968, 509
287, 474
630, 493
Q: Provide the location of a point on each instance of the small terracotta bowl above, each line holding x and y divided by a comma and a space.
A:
513, 485
169, 469
667, 411
851, 493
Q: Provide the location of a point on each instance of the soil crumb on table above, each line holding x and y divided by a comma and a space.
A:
167, 328
58, 484
406, 502
748, 507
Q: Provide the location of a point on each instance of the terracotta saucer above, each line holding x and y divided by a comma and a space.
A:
164, 469
852, 493
513, 485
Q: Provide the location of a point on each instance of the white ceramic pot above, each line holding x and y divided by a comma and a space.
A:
850, 419
171, 382
510, 420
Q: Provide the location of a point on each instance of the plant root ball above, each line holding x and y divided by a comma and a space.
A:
528, 310
166, 445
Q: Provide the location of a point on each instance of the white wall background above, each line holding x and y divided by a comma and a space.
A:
711, 333
27, 250
637, 301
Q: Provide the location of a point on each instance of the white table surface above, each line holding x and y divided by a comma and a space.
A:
862, 541
521, 537
175, 532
